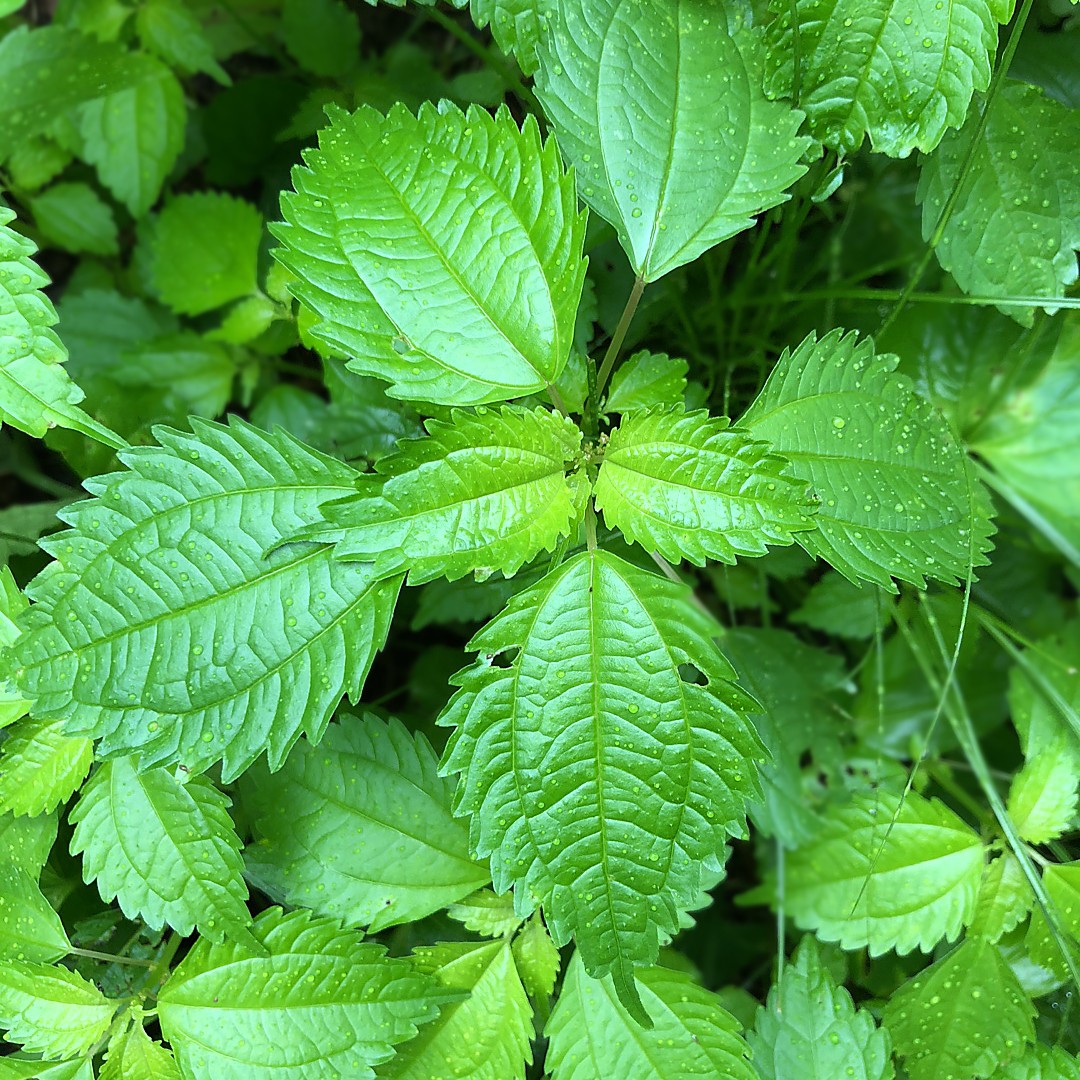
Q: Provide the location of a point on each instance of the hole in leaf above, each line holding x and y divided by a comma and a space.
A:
693, 675
504, 659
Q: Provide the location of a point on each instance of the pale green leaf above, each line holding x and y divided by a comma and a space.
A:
43, 72
322, 35
1062, 884
558, 752
173, 31
166, 851
1041, 1063
35, 391
29, 928
687, 486
646, 379
13, 706
321, 1005
23, 1067
661, 112
863, 883
32, 164
134, 136
135, 1056
488, 491
26, 841
1032, 442
359, 828
537, 959
1015, 228
441, 252
964, 1016
51, 1010
40, 767
487, 914
901, 72
809, 1029
516, 25
205, 246
836, 606
174, 624
73, 216
484, 1037
1043, 795
1004, 898
898, 495
592, 1037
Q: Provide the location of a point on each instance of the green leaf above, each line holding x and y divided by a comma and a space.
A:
1062, 884
487, 914
73, 216
1015, 228
484, 1037
13, 706
322, 35
1032, 442
558, 753
321, 1005
51, 1010
646, 379
661, 112
359, 828
29, 928
901, 73
166, 629
795, 719
809, 1028
488, 491
864, 884
134, 136
1044, 694
516, 25
480, 315
1043, 794
172, 30
40, 767
537, 959
44, 72
898, 496
685, 485
1041, 1063
26, 841
135, 1056
166, 850
205, 246
835, 606
35, 391
23, 1067
1004, 898
963, 1016
592, 1037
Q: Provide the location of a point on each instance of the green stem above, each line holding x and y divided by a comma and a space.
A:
618, 338
110, 958
969, 160
159, 970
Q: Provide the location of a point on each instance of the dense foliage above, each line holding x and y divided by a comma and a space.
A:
661, 422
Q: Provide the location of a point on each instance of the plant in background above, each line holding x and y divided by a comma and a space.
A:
456, 347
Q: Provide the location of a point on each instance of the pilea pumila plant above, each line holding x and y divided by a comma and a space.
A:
714, 364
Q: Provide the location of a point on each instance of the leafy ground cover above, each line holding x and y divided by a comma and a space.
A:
540, 538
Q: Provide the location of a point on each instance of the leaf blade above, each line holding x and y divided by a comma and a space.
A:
513, 304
